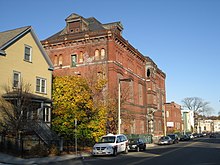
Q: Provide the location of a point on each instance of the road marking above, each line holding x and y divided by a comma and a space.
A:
155, 155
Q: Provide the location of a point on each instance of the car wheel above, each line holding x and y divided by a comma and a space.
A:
126, 150
138, 149
115, 152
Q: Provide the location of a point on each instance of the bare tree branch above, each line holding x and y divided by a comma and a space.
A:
197, 105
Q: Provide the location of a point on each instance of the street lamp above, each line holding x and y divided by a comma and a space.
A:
119, 101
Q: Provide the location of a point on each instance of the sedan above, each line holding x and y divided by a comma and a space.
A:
184, 138
165, 140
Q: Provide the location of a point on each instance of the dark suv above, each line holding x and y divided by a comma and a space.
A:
136, 144
174, 137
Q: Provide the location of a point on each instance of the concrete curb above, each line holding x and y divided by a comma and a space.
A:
8, 159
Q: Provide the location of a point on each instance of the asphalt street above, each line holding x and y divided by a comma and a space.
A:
202, 151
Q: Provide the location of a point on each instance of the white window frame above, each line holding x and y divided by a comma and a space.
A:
18, 82
40, 87
46, 115
30, 53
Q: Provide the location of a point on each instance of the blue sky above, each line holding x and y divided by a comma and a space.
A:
181, 36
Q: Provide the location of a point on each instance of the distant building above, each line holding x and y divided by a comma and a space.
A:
205, 126
188, 120
208, 125
86, 47
216, 125
173, 117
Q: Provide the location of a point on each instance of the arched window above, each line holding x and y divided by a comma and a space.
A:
96, 54
160, 125
140, 94
131, 90
102, 53
81, 56
60, 59
55, 60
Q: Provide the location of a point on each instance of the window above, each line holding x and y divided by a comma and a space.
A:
102, 53
77, 30
40, 85
81, 57
148, 72
16, 79
167, 114
46, 114
97, 54
60, 60
160, 125
73, 60
131, 87
27, 53
140, 94
55, 60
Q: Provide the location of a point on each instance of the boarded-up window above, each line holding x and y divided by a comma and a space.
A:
60, 60
96, 54
55, 60
81, 57
102, 53
140, 94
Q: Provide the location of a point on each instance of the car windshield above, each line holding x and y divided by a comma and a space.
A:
132, 141
172, 136
107, 139
164, 138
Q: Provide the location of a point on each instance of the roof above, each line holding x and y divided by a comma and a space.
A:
7, 38
33, 97
92, 24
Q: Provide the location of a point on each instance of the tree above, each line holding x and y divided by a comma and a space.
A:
14, 110
73, 99
198, 105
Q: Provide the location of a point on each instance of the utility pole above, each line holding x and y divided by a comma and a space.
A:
76, 136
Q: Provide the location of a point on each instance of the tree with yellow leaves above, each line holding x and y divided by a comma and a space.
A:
74, 99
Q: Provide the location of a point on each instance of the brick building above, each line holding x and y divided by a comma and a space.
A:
173, 117
88, 48
156, 98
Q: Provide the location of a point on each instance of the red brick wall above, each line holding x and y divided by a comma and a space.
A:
121, 59
173, 114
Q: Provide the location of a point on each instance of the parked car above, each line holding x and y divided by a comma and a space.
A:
111, 145
184, 138
190, 135
136, 144
165, 140
212, 135
174, 137
195, 135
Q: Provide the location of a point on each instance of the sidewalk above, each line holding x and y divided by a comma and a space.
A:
8, 159
151, 145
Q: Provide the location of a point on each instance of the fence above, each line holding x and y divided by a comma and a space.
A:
146, 137
23, 146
